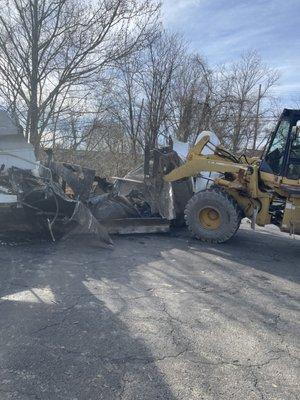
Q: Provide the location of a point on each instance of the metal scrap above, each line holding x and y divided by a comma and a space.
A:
64, 199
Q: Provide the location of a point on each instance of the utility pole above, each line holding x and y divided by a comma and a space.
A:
256, 118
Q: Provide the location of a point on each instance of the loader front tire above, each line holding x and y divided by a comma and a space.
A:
213, 215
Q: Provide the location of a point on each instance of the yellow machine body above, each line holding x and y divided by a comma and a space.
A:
262, 195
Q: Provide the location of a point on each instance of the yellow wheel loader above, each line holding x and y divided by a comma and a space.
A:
265, 190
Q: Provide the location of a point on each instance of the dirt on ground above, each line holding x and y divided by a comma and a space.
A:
158, 317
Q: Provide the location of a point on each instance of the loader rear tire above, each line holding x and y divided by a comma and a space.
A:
213, 215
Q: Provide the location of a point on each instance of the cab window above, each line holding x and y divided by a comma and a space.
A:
275, 156
294, 159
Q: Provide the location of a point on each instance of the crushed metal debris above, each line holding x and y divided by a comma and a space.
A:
62, 199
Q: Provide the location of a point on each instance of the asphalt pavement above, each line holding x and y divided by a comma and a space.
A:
158, 317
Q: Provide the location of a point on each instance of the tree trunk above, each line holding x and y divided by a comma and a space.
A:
33, 107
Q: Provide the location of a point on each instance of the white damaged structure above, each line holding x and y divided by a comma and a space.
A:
14, 151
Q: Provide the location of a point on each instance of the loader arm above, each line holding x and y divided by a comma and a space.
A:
200, 163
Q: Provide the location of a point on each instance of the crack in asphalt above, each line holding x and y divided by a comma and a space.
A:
237, 363
256, 386
57, 323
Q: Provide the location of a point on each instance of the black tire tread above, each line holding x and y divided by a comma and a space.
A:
228, 201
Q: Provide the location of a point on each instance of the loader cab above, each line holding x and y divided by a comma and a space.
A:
282, 157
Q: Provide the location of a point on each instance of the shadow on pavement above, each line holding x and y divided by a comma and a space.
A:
71, 313
59, 340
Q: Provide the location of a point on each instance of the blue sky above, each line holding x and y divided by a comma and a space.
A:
221, 30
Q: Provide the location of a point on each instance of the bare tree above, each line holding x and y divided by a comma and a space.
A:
190, 95
49, 46
239, 89
127, 105
160, 62
142, 91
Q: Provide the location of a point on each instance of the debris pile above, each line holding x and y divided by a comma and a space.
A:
62, 199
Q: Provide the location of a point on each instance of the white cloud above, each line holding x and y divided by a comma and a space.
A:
175, 10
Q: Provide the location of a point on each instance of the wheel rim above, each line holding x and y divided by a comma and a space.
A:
210, 218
